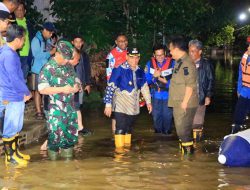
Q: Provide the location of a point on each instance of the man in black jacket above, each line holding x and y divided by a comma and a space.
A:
84, 74
205, 85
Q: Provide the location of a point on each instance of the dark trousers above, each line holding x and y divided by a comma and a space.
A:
25, 66
162, 116
1, 122
241, 110
124, 123
183, 123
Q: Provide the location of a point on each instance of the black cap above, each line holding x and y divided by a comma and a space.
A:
5, 15
49, 26
133, 52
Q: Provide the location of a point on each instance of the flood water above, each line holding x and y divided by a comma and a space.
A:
153, 162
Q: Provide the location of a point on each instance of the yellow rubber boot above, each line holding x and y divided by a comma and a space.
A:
10, 153
18, 153
127, 140
119, 143
194, 134
187, 148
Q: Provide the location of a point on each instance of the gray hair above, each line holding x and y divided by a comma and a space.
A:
198, 44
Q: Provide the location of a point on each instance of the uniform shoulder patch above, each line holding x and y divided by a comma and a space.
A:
186, 72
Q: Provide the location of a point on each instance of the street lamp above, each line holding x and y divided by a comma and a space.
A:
243, 16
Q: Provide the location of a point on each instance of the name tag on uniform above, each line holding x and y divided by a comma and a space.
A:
167, 72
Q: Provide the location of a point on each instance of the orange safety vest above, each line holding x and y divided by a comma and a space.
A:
245, 70
165, 66
120, 57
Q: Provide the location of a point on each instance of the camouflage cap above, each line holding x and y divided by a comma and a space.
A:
65, 48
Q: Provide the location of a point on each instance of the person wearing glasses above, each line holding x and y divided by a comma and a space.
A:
158, 74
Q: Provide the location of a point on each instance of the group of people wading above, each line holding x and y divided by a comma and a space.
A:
175, 85
178, 86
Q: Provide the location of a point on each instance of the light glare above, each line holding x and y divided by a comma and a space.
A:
242, 16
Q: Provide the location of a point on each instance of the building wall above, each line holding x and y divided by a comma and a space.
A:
44, 7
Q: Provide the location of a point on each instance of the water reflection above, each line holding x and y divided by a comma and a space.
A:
152, 162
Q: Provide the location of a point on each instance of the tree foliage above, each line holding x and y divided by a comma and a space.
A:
32, 14
145, 22
224, 38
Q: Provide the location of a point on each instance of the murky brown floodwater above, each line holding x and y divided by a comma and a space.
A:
153, 162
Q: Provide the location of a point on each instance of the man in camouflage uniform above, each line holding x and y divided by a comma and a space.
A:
59, 82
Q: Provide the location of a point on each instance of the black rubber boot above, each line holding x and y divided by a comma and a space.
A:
187, 148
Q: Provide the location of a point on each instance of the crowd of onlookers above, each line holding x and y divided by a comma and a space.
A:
23, 56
